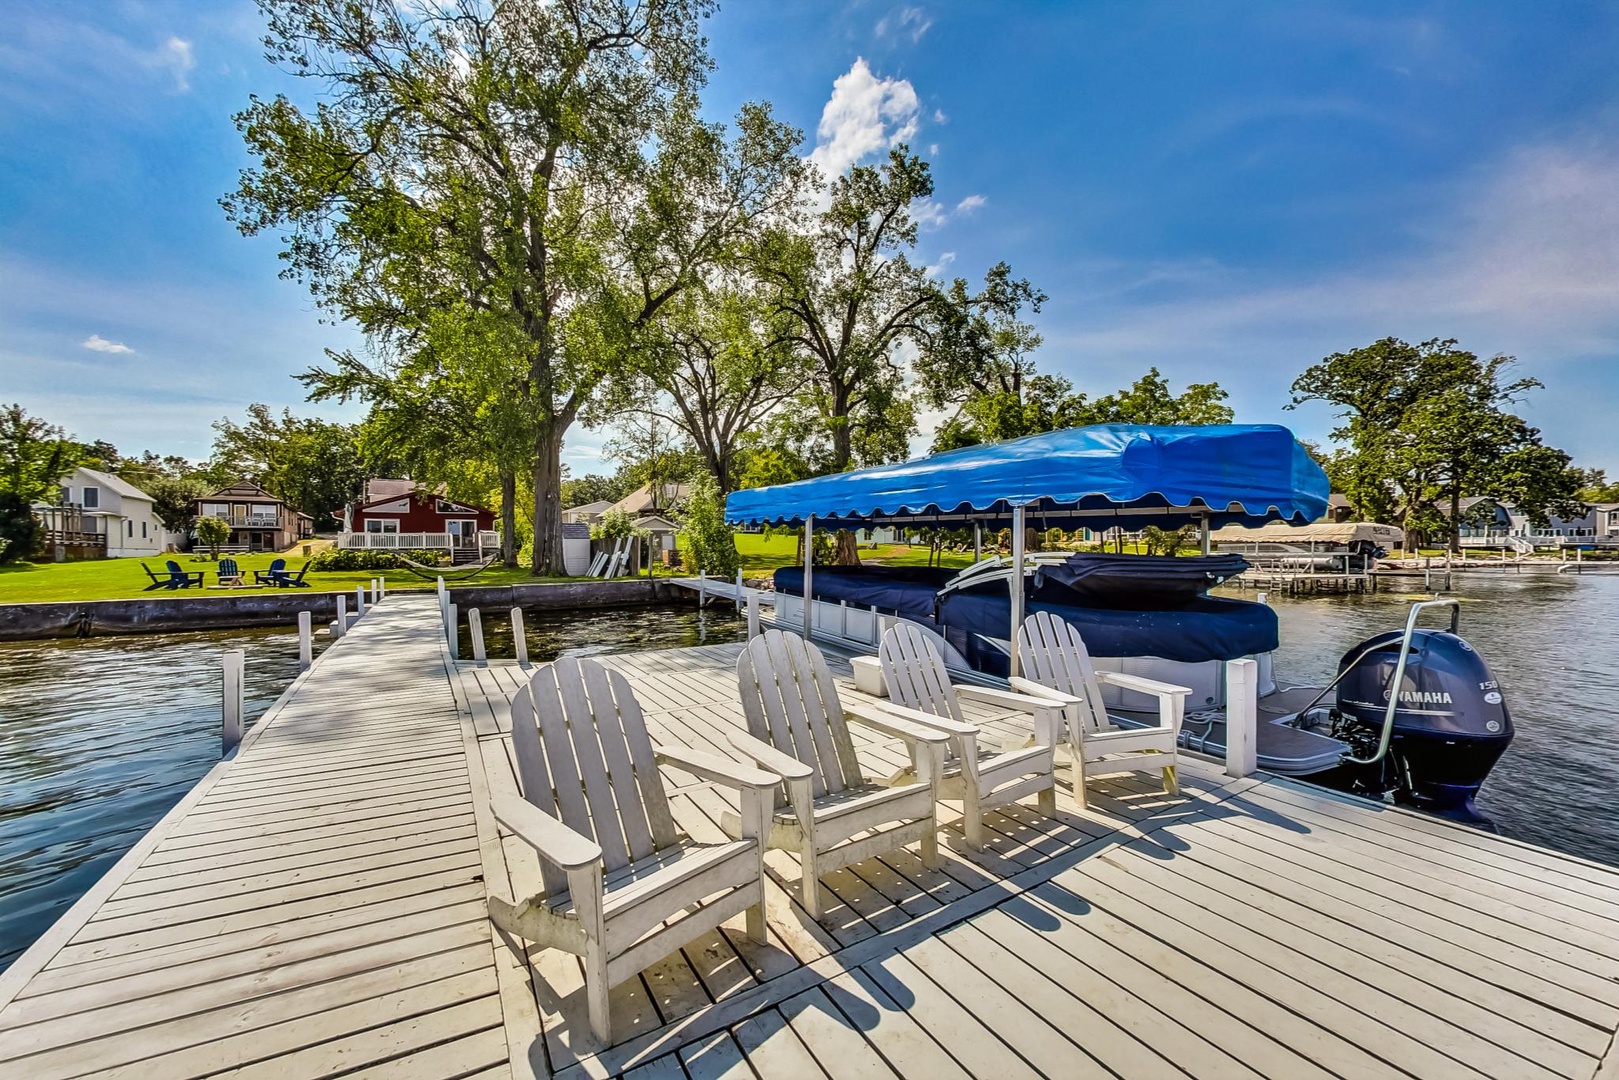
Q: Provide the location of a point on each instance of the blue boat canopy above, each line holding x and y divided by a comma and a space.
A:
1129, 475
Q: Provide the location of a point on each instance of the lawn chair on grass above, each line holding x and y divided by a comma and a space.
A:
176, 578
834, 815
622, 888
229, 573
919, 684
277, 575
1056, 664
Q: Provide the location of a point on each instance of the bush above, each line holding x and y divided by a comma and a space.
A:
20, 533
212, 532
335, 558
708, 538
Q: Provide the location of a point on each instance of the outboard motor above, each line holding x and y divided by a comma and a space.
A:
1450, 723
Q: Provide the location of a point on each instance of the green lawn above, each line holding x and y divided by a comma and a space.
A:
111, 579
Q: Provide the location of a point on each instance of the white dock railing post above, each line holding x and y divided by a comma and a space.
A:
306, 645
342, 622
475, 628
519, 637
231, 705
453, 628
1241, 717
753, 615
702, 588
739, 587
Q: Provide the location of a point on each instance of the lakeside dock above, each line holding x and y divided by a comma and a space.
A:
316, 907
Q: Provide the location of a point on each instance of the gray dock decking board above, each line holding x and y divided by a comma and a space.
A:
316, 907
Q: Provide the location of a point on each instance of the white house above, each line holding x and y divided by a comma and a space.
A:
116, 513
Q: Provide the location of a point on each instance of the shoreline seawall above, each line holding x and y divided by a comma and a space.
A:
174, 614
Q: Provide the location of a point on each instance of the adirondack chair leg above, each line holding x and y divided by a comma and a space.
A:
591, 918
1171, 785
809, 887
1047, 801
756, 810
972, 821
929, 766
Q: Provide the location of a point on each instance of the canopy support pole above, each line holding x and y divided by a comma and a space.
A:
1207, 539
1016, 585
809, 577
978, 541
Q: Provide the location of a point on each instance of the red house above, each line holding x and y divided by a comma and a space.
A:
417, 519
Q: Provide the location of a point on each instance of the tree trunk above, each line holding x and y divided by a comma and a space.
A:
1456, 518
547, 555
846, 551
508, 517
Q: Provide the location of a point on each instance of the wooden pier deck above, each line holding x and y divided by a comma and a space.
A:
316, 908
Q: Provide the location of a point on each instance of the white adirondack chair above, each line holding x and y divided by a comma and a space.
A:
832, 814
1056, 664
622, 888
919, 683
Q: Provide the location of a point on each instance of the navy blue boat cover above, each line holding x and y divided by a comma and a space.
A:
1139, 582
1245, 473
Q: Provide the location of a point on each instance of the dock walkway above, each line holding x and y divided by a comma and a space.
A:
316, 907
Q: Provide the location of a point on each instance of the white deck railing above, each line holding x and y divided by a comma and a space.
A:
388, 541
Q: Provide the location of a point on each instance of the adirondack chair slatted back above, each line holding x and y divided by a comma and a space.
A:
227, 568
584, 757
1054, 655
791, 703
915, 672
174, 569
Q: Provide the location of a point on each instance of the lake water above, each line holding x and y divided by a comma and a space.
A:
98, 738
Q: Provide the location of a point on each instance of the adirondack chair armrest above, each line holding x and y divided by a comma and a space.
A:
1023, 700
1034, 689
880, 718
783, 764
1141, 685
713, 767
557, 843
946, 724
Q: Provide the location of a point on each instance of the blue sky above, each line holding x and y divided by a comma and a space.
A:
1228, 192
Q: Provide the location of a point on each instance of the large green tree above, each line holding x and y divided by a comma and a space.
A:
34, 456
538, 160
311, 464
1427, 425
854, 299
1048, 403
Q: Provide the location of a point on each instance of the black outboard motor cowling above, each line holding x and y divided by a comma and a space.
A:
1450, 727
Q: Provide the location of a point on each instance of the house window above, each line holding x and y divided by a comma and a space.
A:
67, 497
92, 497
143, 530
384, 525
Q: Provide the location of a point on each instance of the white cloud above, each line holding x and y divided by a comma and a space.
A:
938, 268
939, 117
912, 22
174, 56
931, 215
864, 116
97, 343
933, 149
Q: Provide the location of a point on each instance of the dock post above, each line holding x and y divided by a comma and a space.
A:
519, 637
342, 622
1241, 717
753, 615
702, 588
453, 628
231, 705
740, 602
306, 646
809, 577
475, 629
359, 600
843, 618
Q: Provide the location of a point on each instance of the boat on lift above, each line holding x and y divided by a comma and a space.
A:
1430, 744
